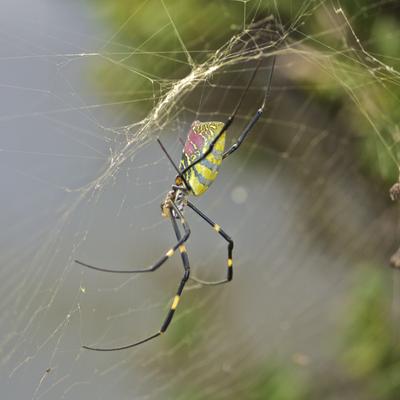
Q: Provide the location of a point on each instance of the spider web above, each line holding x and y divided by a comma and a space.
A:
83, 178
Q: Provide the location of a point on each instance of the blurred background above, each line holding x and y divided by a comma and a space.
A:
313, 311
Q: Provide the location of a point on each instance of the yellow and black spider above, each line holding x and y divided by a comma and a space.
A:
202, 156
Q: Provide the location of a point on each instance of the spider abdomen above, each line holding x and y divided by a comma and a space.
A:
202, 175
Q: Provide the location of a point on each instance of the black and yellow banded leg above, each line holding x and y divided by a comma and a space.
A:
168, 254
186, 267
231, 118
221, 232
176, 299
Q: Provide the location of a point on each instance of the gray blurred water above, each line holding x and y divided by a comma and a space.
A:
42, 117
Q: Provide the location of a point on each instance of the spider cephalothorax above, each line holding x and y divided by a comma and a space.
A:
177, 195
202, 155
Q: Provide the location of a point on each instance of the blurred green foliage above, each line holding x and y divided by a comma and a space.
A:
277, 382
371, 352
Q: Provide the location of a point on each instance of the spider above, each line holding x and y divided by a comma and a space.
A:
202, 155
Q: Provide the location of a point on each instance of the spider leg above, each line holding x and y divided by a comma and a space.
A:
186, 267
160, 262
256, 117
226, 125
173, 164
175, 301
231, 118
221, 232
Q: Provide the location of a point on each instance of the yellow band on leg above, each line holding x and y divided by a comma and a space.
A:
175, 302
217, 228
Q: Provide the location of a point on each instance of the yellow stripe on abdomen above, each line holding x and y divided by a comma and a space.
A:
205, 172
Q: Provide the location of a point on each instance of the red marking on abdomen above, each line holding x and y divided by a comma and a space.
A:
194, 142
